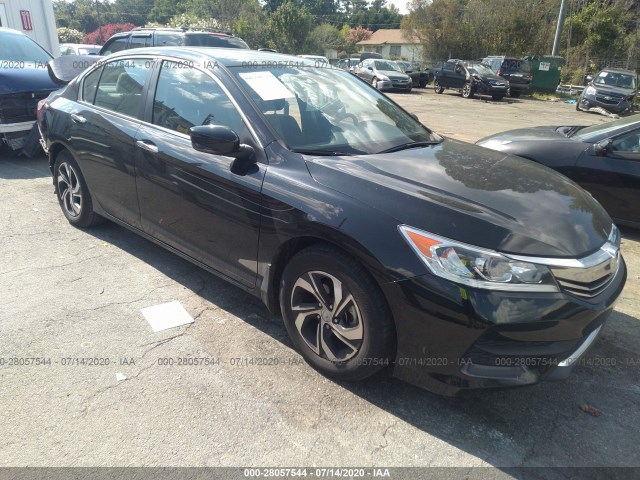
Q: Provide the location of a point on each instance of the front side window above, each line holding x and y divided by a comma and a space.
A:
629, 142
186, 97
120, 86
115, 46
328, 110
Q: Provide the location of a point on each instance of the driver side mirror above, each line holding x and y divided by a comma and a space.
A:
369, 68
221, 140
603, 147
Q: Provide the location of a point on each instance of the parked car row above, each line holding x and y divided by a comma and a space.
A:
383, 244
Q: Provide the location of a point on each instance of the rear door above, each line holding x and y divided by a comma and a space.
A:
191, 200
102, 134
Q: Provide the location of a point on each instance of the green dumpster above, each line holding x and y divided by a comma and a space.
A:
545, 70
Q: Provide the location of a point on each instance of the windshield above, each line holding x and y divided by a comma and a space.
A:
328, 111
20, 48
479, 69
514, 65
614, 79
595, 133
213, 40
388, 66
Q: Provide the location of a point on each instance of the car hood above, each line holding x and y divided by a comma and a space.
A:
32, 78
604, 89
392, 73
549, 133
473, 195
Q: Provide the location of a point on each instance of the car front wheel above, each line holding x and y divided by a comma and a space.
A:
467, 90
335, 314
436, 86
73, 193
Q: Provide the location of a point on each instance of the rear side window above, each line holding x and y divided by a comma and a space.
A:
169, 38
90, 85
120, 86
211, 40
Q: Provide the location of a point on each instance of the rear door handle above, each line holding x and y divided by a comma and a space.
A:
147, 145
78, 118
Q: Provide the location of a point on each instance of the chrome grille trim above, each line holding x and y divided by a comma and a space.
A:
584, 277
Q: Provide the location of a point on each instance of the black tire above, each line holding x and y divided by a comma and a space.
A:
349, 341
514, 94
422, 83
374, 83
436, 86
497, 98
578, 105
467, 90
73, 193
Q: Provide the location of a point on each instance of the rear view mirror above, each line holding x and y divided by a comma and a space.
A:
603, 147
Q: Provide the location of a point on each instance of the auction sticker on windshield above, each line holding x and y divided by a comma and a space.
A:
267, 85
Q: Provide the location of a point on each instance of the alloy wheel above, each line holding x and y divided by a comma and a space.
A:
326, 316
69, 189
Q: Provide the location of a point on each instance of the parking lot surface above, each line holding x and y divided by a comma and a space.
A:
74, 297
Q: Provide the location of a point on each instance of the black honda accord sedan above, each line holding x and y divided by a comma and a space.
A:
382, 244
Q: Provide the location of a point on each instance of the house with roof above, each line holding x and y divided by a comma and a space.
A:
392, 43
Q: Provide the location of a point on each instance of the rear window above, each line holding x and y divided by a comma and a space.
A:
20, 48
515, 65
212, 40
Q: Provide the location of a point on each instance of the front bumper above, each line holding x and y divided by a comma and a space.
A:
488, 89
453, 338
613, 104
395, 85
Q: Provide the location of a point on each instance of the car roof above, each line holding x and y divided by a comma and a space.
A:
618, 70
11, 31
229, 57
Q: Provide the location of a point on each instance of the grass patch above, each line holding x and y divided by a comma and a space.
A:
552, 96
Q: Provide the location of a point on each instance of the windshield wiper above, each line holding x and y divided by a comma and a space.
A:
569, 132
406, 146
327, 153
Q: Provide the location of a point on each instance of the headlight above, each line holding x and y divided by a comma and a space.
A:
590, 90
384, 78
477, 267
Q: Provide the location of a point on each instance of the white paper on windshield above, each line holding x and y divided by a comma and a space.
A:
267, 85
604, 74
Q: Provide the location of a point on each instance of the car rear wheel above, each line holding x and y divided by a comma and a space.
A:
335, 314
73, 193
515, 94
467, 90
436, 86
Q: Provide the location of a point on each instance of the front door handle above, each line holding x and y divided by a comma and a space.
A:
147, 145
78, 118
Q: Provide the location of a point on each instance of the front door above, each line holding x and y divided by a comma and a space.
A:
191, 200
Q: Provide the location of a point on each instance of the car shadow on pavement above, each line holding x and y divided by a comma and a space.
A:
14, 167
541, 426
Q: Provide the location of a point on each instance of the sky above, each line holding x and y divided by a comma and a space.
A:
401, 4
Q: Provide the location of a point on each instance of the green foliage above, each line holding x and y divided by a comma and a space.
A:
69, 35
288, 28
325, 36
475, 28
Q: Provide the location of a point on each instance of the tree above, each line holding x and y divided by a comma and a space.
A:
69, 35
102, 34
325, 36
288, 28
